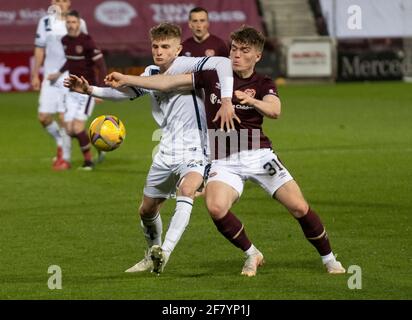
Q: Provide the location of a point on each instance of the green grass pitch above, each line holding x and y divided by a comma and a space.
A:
349, 146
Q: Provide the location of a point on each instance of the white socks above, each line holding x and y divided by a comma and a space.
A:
67, 145
54, 130
328, 257
178, 223
152, 229
251, 250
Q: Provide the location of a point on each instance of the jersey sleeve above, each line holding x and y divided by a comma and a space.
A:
138, 92
268, 87
42, 26
94, 52
222, 65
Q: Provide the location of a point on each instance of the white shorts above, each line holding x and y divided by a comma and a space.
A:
78, 106
166, 173
52, 97
261, 166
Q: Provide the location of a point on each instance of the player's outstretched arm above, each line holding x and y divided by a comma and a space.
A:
156, 82
81, 85
269, 106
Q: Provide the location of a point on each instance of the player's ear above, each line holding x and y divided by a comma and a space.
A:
179, 49
258, 56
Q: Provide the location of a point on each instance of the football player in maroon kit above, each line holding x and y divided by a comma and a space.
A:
83, 58
249, 155
202, 43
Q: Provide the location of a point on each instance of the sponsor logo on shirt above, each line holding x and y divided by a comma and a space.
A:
214, 99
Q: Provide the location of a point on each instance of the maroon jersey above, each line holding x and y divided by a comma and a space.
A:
212, 46
81, 54
249, 134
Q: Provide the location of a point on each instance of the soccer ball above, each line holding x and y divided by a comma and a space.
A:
107, 132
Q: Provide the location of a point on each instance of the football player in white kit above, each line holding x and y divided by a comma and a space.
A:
181, 158
48, 47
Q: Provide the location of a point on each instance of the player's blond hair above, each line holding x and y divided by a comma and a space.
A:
250, 36
165, 30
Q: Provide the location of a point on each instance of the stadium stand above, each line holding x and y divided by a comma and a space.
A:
288, 18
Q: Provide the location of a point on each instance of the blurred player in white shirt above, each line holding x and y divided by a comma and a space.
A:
49, 50
181, 159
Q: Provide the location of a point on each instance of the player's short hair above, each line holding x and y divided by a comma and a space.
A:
73, 13
196, 10
165, 30
250, 36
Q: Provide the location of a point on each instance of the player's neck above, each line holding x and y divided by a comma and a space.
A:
244, 73
200, 40
74, 35
164, 68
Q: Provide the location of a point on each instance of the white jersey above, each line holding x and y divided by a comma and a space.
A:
50, 31
180, 114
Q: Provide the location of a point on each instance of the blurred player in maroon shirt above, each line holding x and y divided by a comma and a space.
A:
202, 43
249, 154
83, 58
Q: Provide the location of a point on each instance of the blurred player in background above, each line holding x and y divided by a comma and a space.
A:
252, 157
180, 161
49, 49
202, 43
83, 58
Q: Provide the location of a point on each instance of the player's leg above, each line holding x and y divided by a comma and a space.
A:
290, 195
48, 102
64, 163
219, 197
52, 128
160, 183
151, 223
84, 143
83, 105
67, 139
188, 186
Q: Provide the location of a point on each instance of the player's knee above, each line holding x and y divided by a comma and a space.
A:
216, 210
70, 132
299, 209
45, 119
187, 191
147, 211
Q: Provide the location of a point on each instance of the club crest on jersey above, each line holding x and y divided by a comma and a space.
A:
209, 53
250, 92
79, 49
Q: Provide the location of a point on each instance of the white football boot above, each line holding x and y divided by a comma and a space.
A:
143, 265
334, 267
252, 262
